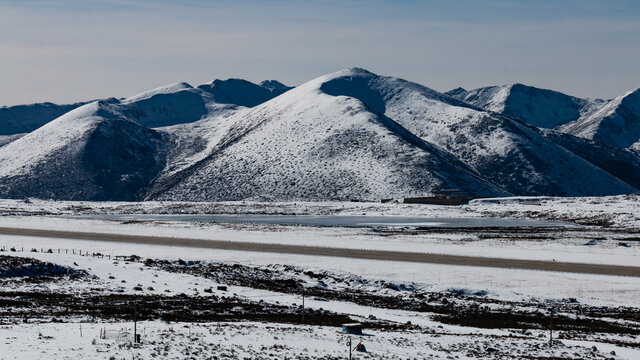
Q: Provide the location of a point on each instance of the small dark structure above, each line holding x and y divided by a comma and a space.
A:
352, 329
444, 197
222, 288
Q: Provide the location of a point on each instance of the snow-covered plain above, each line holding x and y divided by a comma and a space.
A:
599, 225
619, 212
268, 341
238, 340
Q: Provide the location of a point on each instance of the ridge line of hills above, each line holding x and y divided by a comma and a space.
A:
346, 135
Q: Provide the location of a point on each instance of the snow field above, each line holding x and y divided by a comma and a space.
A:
264, 341
506, 284
567, 249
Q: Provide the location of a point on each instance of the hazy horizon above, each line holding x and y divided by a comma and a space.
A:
71, 51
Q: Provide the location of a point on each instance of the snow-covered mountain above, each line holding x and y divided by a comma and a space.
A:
5, 139
164, 106
21, 119
309, 144
167, 105
354, 134
17, 121
275, 86
619, 162
347, 135
538, 107
93, 152
616, 122
107, 149
242, 92
181, 103
508, 153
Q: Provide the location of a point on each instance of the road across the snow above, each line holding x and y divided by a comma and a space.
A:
580, 268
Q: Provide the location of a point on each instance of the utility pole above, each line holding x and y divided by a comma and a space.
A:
551, 327
349, 347
135, 325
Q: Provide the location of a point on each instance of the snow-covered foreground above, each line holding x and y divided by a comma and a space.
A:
615, 245
504, 284
428, 337
412, 310
266, 341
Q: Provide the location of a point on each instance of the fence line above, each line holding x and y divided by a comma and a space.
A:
73, 251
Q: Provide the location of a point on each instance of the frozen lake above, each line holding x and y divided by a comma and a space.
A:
330, 220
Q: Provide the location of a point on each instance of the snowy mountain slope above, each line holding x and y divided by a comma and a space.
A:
180, 103
617, 122
516, 157
26, 118
168, 105
192, 142
306, 144
538, 107
164, 106
458, 93
241, 92
621, 163
91, 153
207, 121
275, 86
106, 150
347, 135
353, 134
5, 139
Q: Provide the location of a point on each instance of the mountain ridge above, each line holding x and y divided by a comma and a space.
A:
347, 135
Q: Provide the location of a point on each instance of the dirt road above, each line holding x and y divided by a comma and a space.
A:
337, 252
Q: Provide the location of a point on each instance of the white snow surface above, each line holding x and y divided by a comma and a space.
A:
26, 118
568, 249
5, 139
68, 130
622, 212
93, 151
248, 339
616, 122
538, 107
166, 89
123, 276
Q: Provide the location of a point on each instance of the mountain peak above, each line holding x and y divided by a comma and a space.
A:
635, 92
534, 106
457, 92
167, 89
355, 71
238, 92
274, 85
229, 81
614, 122
345, 135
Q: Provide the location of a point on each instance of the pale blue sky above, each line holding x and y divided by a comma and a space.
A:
68, 50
